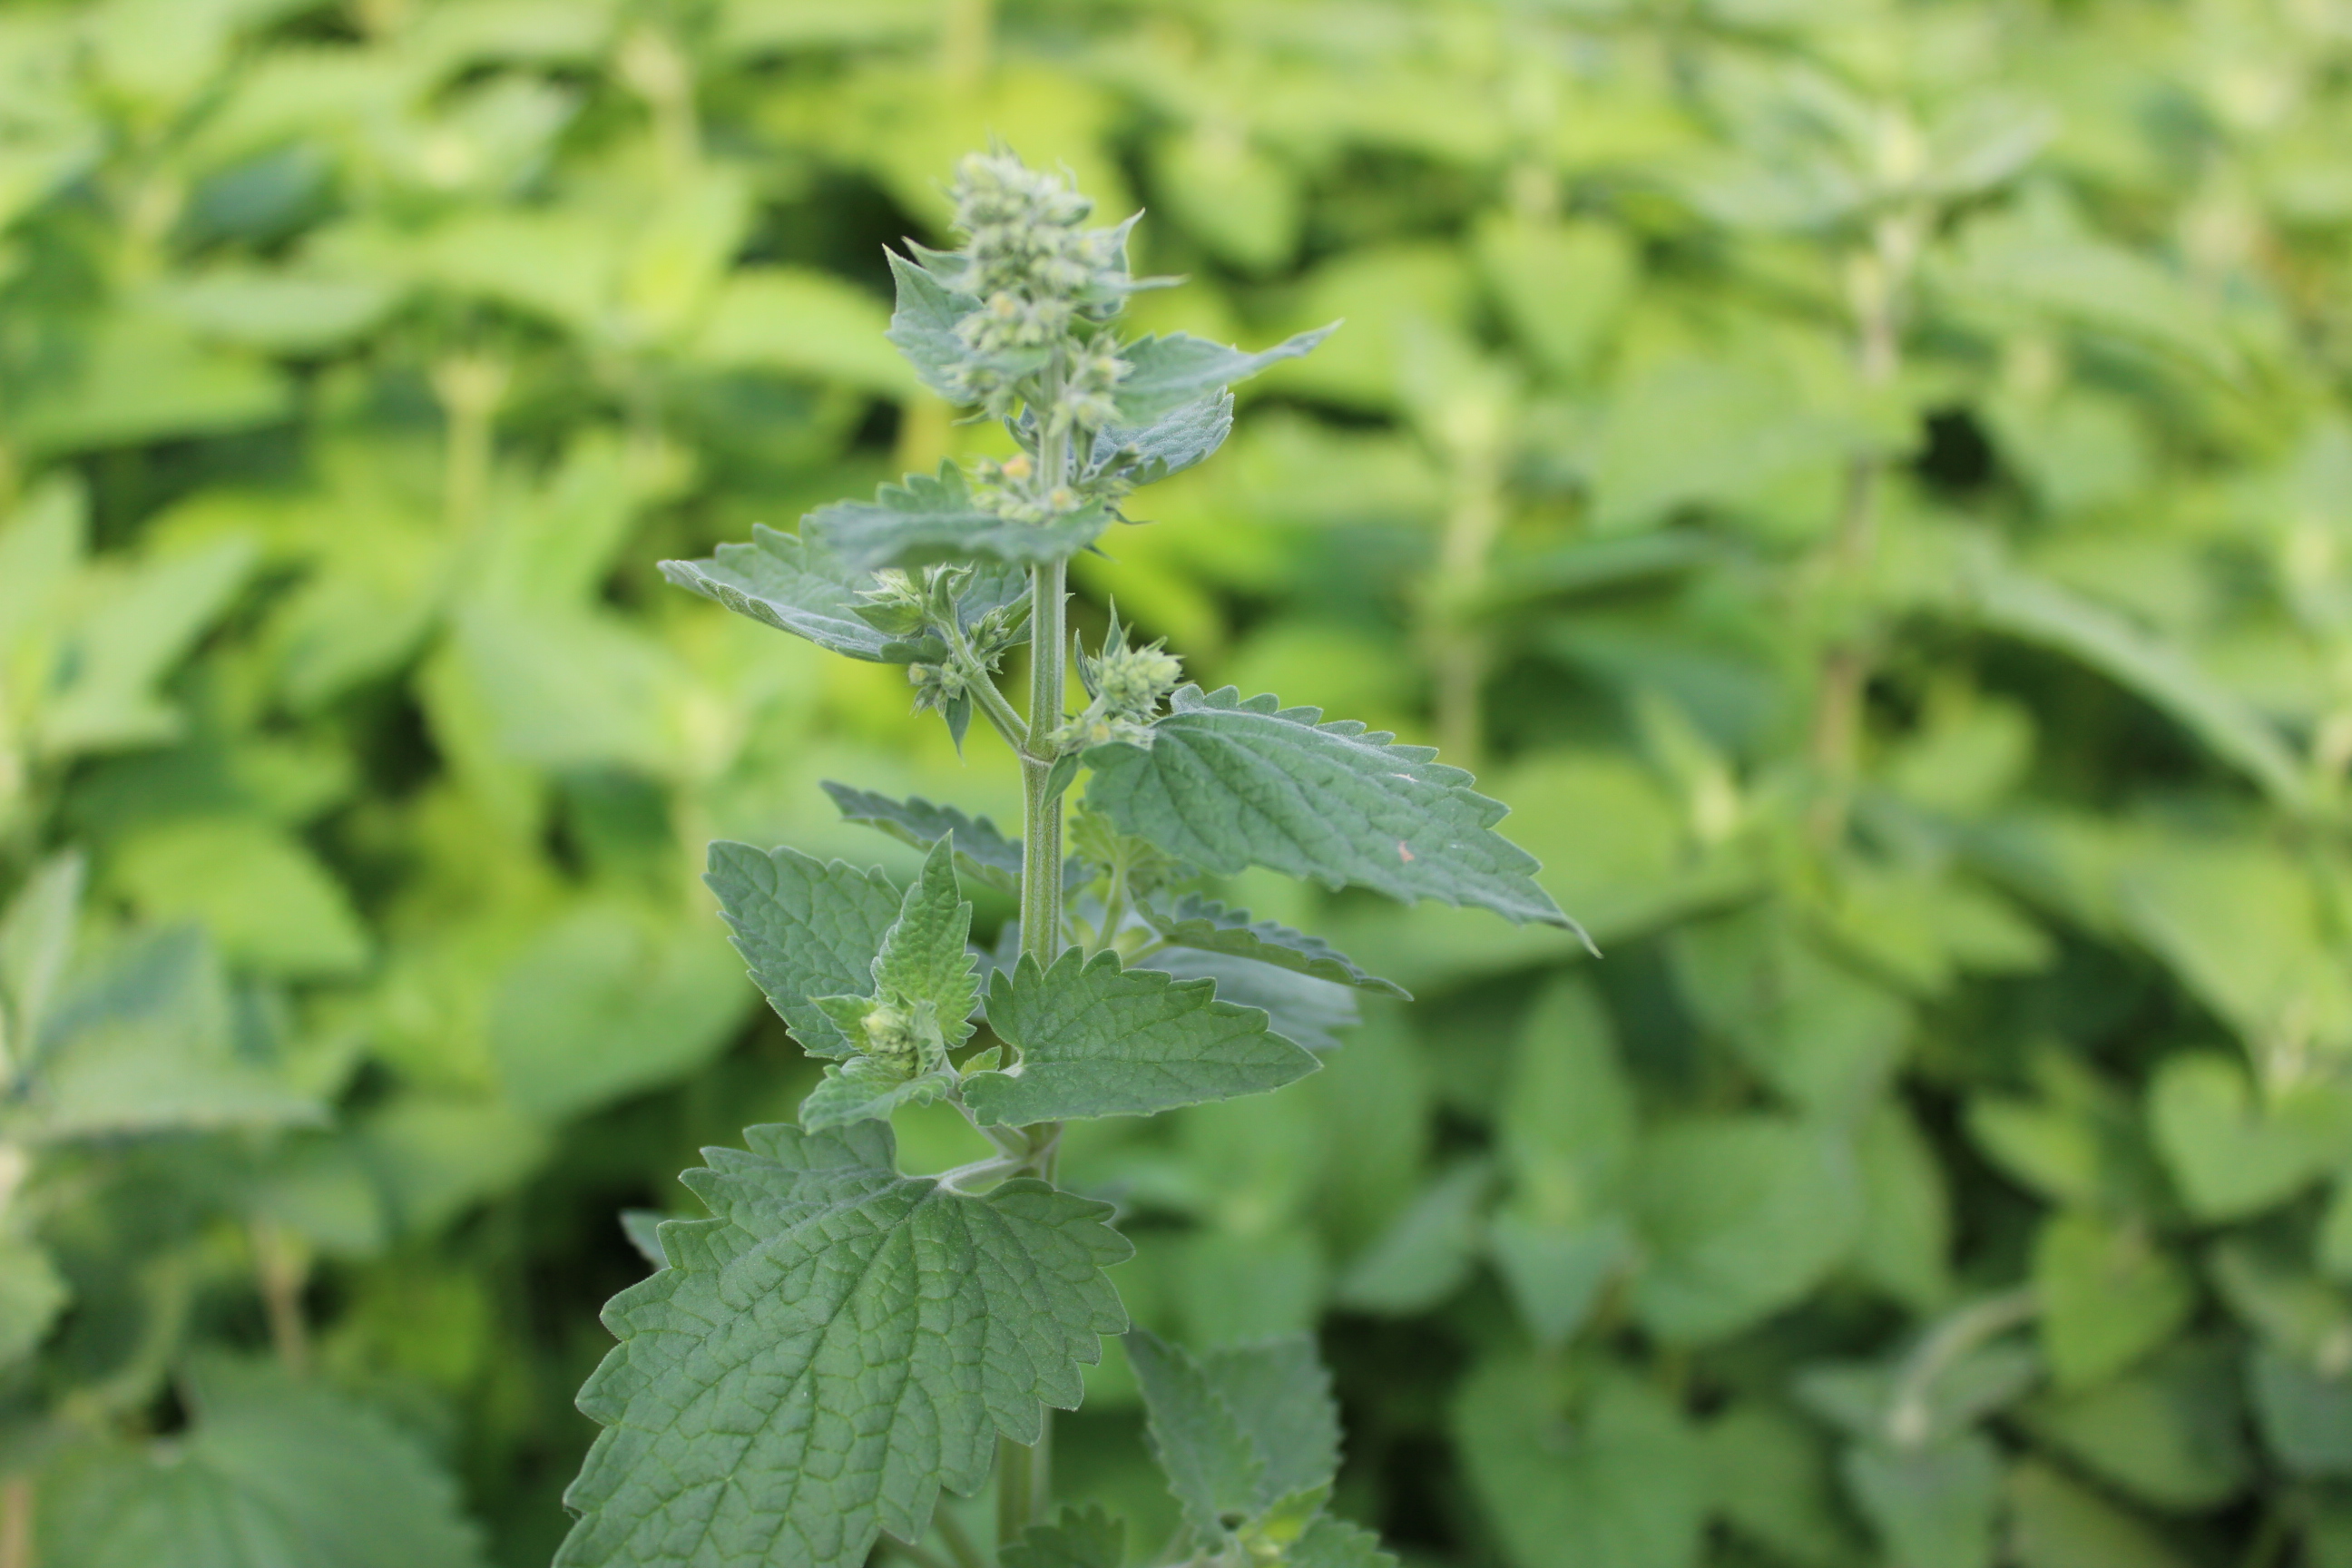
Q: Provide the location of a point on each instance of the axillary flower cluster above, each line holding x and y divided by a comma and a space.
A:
1046, 288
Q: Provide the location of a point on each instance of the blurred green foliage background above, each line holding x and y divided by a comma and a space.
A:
1867, 482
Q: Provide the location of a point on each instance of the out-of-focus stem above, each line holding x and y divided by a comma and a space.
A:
960, 1545
1874, 281
1461, 652
16, 1523
1024, 1477
967, 38
1908, 1413
470, 387
282, 1269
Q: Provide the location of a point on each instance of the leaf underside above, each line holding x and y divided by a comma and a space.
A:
1227, 783
1179, 439
270, 1472
1237, 1430
1164, 373
933, 517
826, 1354
983, 851
1079, 1538
1097, 1040
796, 586
807, 928
1208, 926
926, 953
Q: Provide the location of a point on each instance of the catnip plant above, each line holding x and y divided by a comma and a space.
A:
841, 1342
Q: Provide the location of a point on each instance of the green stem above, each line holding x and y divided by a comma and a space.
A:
983, 688
960, 1545
1023, 1473
919, 1556
1910, 1416
16, 1523
1876, 279
1016, 1484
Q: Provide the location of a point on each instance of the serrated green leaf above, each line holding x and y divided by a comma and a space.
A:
1429, 1251
35, 940
923, 323
272, 1471
2231, 1158
1280, 1396
807, 928
1167, 373
32, 1294
1300, 1008
148, 1041
1179, 439
1210, 927
2037, 611
1933, 1507
1770, 1480
1212, 1467
1096, 1040
1335, 1543
1618, 1484
2056, 1523
932, 517
1248, 1437
643, 1228
824, 1357
926, 953
864, 1088
1079, 1538
1556, 1272
982, 849
1227, 783
2170, 1433
1740, 1217
2306, 1414
2109, 1296
799, 585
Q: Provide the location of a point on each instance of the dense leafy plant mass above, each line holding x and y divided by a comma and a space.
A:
1864, 480
813, 1365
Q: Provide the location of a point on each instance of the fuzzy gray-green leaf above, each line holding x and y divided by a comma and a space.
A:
824, 1357
933, 517
923, 327
1212, 1467
981, 848
1331, 1543
1207, 926
1096, 1040
801, 586
1167, 373
1227, 783
865, 1090
796, 586
269, 1471
1080, 1538
1175, 441
925, 954
807, 928
1280, 1393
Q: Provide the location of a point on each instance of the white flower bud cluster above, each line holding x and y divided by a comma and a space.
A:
1127, 685
898, 1036
937, 686
1039, 277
